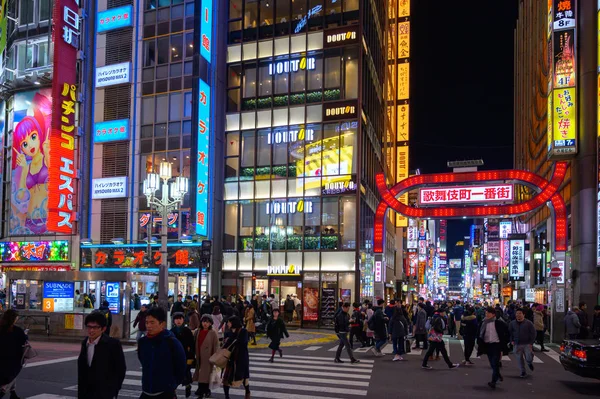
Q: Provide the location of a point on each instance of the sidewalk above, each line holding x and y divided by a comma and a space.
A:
298, 338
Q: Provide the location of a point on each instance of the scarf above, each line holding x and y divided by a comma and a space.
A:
484, 326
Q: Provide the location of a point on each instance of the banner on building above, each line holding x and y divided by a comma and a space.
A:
517, 257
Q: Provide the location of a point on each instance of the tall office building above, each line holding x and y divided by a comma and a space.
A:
304, 136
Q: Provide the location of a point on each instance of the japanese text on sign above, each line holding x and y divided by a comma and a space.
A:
564, 118
378, 272
449, 195
203, 158
517, 259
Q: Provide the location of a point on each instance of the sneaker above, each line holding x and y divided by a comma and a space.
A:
530, 366
523, 375
545, 350
271, 360
401, 359
396, 358
455, 365
354, 361
338, 361
492, 385
378, 353
427, 367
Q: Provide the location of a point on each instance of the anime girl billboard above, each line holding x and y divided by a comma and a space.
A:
32, 114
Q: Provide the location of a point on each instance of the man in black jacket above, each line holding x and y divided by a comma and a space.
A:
342, 327
101, 364
493, 340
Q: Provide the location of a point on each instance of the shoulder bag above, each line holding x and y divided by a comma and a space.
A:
221, 357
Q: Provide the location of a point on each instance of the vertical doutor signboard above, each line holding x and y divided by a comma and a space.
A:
562, 99
62, 165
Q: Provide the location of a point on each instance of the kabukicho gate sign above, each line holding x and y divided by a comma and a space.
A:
459, 195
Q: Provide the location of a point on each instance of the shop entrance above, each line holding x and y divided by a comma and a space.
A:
288, 294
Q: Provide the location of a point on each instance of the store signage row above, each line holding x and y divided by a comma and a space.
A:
290, 136
36, 268
282, 270
36, 251
62, 165
339, 187
114, 74
138, 257
340, 110
111, 131
290, 206
145, 218
294, 65
114, 18
109, 187
465, 194
341, 36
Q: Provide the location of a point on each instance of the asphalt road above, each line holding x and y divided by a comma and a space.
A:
308, 372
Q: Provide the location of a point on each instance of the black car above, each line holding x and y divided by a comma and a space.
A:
581, 357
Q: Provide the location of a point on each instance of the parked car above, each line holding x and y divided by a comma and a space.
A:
581, 357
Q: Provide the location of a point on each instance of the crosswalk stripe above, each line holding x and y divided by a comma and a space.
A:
348, 382
462, 343
303, 357
447, 343
312, 348
387, 349
341, 374
537, 360
554, 356
332, 349
269, 395
362, 350
293, 364
51, 396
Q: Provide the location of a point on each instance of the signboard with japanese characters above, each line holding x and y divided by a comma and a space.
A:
517, 259
61, 165
378, 271
35, 251
114, 74
412, 237
564, 14
203, 158
206, 26
136, 257
466, 194
455, 263
107, 131
565, 121
505, 229
421, 272
109, 187
114, 18
413, 263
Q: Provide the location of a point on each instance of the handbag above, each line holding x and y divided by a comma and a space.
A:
434, 336
215, 379
28, 352
221, 357
407, 345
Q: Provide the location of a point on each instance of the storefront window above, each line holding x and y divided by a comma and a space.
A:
249, 80
315, 76
231, 225
246, 225
348, 222
310, 299
346, 287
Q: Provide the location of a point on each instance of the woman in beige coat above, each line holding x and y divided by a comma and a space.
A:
207, 343
249, 318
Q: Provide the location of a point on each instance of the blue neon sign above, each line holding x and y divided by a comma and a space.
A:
206, 29
203, 158
111, 131
112, 296
56, 289
114, 18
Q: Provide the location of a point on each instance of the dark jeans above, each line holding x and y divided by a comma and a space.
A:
289, 316
421, 338
469, 346
540, 338
494, 356
343, 336
379, 344
398, 344
358, 332
203, 388
164, 395
440, 346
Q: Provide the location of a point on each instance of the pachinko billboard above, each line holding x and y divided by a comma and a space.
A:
32, 115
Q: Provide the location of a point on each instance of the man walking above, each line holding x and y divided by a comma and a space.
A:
522, 336
378, 323
459, 310
342, 326
162, 357
493, 341
420, 331
101, 363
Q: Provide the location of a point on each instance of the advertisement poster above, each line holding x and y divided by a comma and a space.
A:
455, 263
310, 304
30, 159
517, 259
564, 59
345, 295
327, 303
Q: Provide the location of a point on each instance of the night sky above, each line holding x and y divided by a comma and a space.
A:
461, 87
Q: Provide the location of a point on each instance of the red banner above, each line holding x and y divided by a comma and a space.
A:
62, 171
492, 266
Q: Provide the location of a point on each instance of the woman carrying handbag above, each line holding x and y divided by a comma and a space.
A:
237, 371
207, 344
13, 342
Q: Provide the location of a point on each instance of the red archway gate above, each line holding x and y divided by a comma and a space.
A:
547, 192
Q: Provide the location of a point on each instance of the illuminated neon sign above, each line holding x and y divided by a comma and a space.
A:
34, 251
311, 13
281, 207
111, 131
206, 29
290, 136
114, 18
465, 194
203, 154
296, 65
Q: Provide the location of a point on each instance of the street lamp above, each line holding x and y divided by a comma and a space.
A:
164, 205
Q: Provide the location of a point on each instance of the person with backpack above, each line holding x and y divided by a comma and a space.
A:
162, 357
275, 331
342, 323
356, 326
186, 337
105, 310
435, 336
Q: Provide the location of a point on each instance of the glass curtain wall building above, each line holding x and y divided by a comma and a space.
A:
303, 141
